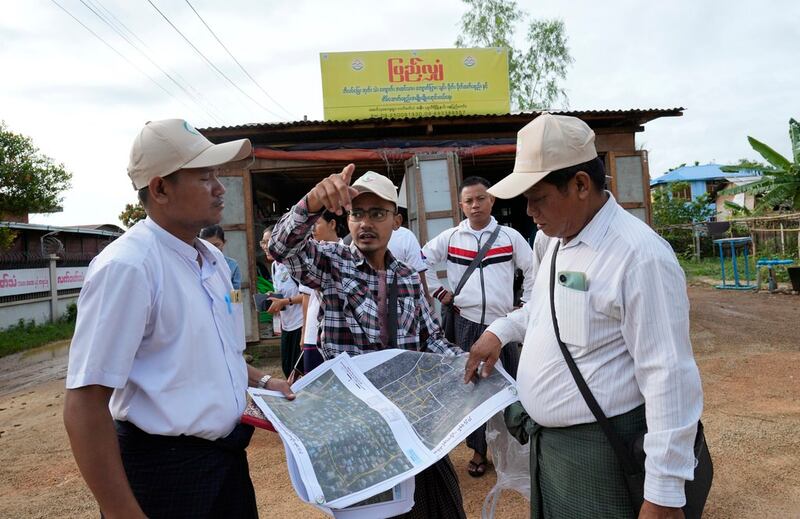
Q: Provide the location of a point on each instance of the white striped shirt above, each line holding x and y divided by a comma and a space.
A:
629, 336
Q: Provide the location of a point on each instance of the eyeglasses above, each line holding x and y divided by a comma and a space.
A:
376, 214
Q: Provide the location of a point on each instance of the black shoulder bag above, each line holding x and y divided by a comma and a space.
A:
449, 311
631, 456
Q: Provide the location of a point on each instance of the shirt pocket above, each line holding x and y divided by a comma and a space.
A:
406, 317
572, 313
238, 327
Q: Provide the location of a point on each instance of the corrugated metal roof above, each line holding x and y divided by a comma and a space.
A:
693, 173
53, 228
656, 112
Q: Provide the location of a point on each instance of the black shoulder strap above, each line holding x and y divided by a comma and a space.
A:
614, 438
392, 317
476, 260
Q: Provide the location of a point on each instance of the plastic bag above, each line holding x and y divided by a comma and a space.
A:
511, 462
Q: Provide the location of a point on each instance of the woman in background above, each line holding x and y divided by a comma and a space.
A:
214, 235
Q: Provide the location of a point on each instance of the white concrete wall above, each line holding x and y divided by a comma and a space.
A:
36, 309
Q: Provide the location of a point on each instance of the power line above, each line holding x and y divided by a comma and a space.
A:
236, 60
194, 97
131, 63
212, 64
176, 73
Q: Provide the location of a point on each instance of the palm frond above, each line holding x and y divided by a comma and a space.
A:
770, 155
794, 138
748, 188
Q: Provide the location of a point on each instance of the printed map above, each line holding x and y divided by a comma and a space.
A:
350, 445
430, 391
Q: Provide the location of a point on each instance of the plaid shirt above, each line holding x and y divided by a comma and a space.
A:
349, 287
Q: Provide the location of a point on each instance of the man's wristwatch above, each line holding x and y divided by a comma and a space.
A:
262, 382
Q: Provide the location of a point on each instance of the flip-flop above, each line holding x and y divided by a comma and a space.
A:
477, 470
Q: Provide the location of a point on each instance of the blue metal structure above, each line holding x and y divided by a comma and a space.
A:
735, 244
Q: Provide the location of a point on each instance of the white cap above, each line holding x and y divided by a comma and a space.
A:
164, 147
371, 182
548, 143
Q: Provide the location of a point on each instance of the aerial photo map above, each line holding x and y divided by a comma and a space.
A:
430, 391
350, 445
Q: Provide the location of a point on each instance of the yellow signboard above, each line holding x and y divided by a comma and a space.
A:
414, 83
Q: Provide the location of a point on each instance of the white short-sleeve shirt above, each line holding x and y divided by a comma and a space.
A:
405, 247
312, 315
166, 334
291, 315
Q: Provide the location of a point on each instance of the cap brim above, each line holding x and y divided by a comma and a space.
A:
219, 154
516, 183
363, 189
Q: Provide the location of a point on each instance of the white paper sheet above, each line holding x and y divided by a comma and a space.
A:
348, 440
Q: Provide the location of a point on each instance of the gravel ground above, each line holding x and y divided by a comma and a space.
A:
746, 345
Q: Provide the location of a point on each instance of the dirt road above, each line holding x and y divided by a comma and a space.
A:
746, 345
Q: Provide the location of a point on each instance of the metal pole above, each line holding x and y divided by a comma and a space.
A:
53, 289
733, 259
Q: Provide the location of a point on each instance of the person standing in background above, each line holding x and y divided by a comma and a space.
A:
288, 307
488, 291
214, 235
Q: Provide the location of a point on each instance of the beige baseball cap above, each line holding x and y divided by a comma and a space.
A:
371, 182
548, 143
164, 147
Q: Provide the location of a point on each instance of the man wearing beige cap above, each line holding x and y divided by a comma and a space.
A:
156, 382
372, 301
609, 302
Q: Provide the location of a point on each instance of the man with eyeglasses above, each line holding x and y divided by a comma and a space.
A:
357, 283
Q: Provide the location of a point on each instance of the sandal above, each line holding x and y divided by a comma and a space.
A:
477, 470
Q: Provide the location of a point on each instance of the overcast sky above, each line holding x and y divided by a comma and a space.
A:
732, 64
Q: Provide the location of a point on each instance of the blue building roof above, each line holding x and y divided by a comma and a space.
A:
693, 173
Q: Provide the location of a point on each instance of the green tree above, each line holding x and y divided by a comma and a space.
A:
30, 182
671, 210
132, 214
535, 70
747, 164
780, 182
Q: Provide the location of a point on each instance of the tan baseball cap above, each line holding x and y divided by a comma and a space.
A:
164, 147
371, 182
548, 143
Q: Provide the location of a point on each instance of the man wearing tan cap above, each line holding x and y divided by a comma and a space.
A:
156, 382
622, 314
372, 301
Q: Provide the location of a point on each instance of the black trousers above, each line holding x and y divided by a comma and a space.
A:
186, 476
290, 350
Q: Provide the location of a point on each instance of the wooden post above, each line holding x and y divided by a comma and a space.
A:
696, 243
783, 242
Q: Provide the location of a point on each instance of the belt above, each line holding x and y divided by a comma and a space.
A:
237, 440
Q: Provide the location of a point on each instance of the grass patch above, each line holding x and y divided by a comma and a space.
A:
710, 267
27, 335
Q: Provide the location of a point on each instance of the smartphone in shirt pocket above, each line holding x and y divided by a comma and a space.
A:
572, 307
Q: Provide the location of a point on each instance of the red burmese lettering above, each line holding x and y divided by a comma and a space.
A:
415, 71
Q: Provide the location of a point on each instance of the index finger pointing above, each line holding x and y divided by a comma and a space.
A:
471, 368
347, 173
